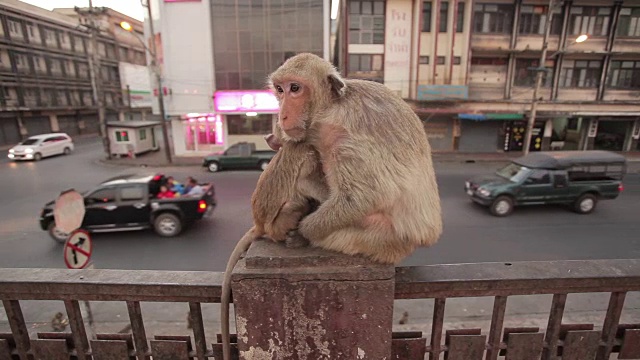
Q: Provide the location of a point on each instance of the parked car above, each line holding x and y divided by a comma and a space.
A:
39, 146
242, 155
576, 178
129, 202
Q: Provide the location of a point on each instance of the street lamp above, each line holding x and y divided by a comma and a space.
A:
155, 67
543, 57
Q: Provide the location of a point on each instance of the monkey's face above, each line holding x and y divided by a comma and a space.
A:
294, 98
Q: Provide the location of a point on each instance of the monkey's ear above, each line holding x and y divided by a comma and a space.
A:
338, 86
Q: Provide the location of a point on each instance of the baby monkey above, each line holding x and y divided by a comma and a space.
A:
290, 188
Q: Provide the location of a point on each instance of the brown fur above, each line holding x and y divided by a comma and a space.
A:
384, 200
281, 198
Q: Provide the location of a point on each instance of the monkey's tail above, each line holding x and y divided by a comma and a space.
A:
240, 248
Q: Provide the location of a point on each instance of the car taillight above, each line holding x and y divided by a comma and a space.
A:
202, 206
620, 188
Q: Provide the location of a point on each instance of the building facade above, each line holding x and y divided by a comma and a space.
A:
468, 68
217, 56
45, 82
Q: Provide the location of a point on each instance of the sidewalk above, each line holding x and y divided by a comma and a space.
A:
158, 159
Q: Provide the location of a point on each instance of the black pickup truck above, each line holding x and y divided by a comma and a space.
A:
129, 202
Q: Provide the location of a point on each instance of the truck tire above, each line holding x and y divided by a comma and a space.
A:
213, 166
56, 234
167, 225
585, 204
263, 165
501, 206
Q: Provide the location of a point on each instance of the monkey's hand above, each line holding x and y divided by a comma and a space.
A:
294, 240
338, 212
273, 142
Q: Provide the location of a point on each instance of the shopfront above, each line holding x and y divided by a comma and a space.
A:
488, 132
243, 115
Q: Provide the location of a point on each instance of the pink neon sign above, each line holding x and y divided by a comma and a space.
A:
245, 101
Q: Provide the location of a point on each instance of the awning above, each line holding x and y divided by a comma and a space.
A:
494, 116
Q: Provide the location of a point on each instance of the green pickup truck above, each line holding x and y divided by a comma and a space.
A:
575, 178
242, 155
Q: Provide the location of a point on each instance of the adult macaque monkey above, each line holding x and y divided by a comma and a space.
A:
286, 191
383, 199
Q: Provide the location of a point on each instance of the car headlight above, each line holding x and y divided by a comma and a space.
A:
28, 151
11, 151
484, 192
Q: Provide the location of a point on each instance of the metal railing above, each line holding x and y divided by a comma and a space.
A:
132, 287
502, 280
438, 282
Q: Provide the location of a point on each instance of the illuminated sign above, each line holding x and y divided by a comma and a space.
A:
260, 101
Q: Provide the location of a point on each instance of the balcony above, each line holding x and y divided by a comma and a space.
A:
329, 304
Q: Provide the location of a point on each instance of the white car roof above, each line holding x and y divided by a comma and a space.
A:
40, 136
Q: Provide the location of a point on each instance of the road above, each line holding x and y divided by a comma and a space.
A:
470, 235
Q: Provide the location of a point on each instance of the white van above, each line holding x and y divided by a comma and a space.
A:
38, 146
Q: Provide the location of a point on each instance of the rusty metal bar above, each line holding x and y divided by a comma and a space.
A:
436, 328
137, 328
610, 326
553, 328
518, 278
80, 341
195, 312
497, 321
110, 285
18, 327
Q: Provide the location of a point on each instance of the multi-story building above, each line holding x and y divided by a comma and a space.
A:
45, 82
468, 68
217, 56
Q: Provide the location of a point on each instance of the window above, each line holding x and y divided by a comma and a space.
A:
590, 20
131, 193
538, 177
32, 31
424, 60
365, 62
526, 72
122, 136
624, 75
62, 99
15, 28
366, 22
629, 22
142, 133
493, 18
426, 16
56, 66
249, 125
444, 16
533, 20
580, 73
492, 61
456, 60
102, 196
460, 18
440, 60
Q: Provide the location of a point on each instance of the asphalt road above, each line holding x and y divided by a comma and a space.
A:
470, 234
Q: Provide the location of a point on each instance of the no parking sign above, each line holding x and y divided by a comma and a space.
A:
77, 249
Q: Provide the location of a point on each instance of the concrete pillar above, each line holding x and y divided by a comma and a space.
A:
634, 136
592, 131
309, 303
144, 115
53, 121
23, 129
121, 115
546, 137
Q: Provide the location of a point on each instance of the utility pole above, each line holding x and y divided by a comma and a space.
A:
96, 85
156, 70
539, 72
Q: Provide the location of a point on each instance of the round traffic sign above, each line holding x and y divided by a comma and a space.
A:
77, 249
68, 211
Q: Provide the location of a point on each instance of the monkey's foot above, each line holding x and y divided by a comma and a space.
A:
294, 240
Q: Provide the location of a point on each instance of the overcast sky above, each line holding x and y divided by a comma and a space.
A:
127, 7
